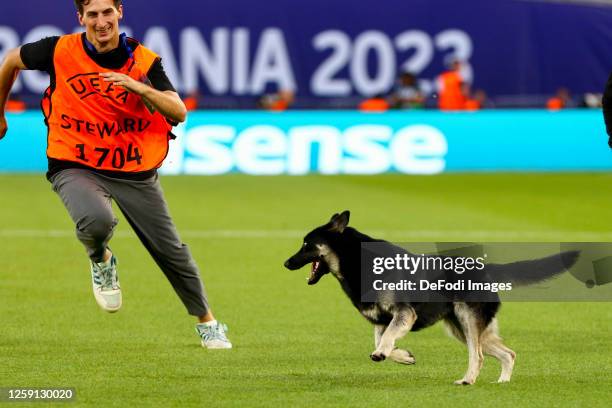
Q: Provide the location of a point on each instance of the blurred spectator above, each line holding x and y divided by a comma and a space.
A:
452, 89
407, 93
278, 102
192, 101
15, 104
592, 100
477, 101
376, 103
560, 100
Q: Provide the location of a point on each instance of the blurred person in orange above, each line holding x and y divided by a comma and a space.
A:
560, 100
376, 103
278, 102
15, 105
452, 88
477, 101
191, 101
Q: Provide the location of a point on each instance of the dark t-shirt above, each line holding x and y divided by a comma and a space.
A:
39, 56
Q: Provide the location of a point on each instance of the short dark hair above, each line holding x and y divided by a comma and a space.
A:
80, 3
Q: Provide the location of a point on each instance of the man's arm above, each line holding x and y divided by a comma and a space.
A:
8, 73
168, 103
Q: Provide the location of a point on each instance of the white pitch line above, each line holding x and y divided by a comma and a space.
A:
401, 235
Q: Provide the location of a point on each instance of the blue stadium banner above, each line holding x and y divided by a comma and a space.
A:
346, 142
233, 51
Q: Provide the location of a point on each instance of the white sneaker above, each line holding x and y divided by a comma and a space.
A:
105, 283
213, 336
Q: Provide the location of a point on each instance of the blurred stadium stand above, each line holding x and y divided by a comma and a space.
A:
334, 54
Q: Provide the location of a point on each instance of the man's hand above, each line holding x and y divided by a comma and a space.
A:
167, 103
124, 81
3, 126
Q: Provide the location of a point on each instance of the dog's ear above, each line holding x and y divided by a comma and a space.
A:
339, 222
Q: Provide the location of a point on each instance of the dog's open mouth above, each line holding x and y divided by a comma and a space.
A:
314, 275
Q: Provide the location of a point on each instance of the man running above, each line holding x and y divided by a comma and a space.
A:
109, 110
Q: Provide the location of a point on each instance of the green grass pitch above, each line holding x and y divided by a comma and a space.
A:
295, 345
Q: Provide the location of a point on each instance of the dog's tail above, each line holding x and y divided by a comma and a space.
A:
533, 271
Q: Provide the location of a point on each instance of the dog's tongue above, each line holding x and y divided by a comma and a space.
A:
314, 278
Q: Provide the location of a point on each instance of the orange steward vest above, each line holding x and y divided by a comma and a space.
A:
374, 105
97, 124
451, 95
472, 105
555, 103
15, 106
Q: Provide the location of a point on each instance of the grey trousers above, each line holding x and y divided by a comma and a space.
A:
87, 197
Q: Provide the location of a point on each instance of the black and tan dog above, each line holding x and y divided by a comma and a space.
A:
335, 248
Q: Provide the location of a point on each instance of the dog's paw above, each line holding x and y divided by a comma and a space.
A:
402, 356
463, 381
377, 356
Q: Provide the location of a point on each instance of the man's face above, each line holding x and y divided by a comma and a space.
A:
101, 21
